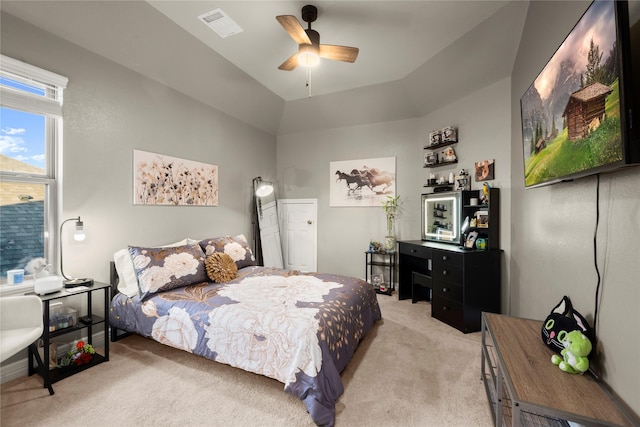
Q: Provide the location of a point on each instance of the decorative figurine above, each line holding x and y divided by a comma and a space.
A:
485, 193
462, 180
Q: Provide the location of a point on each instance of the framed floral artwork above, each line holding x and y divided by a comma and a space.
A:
170, 181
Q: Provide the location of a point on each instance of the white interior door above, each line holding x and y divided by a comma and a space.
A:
298, 227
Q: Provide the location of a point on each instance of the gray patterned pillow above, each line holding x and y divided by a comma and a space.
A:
237, 247
161, 269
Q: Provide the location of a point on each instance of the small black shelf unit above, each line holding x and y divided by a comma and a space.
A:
51, 376
385, 261
492, 230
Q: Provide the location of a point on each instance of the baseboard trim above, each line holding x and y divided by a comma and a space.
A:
20, 368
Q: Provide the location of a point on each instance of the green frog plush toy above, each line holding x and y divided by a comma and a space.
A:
574, 355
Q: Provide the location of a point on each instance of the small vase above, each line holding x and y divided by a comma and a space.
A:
390, 243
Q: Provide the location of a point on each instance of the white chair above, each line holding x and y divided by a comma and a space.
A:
21, 324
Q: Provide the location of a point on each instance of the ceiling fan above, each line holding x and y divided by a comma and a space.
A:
309, 48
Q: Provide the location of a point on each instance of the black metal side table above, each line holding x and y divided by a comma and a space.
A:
90, 322
384, 261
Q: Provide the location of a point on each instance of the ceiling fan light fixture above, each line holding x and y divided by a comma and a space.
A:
308, 55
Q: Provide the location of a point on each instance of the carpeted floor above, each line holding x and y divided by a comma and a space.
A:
410, 370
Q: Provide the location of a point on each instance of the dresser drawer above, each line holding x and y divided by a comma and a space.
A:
447, 258
415, 250
448, 311
447, 273
448, 290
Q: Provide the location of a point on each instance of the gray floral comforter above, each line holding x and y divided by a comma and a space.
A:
298, 328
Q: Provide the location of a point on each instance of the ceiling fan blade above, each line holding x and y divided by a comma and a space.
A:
293, 27
290, 64
339, 53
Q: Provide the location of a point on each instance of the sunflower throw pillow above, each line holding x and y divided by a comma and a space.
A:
221, 267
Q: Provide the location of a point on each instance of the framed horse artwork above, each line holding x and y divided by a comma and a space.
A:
363, 182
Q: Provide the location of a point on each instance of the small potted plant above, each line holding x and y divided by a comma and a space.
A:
391, 211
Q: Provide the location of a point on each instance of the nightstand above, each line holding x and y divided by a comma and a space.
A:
91, 323
385, 261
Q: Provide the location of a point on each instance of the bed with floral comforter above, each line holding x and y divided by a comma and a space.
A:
298, 328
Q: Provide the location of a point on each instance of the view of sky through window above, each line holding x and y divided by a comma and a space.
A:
22, 136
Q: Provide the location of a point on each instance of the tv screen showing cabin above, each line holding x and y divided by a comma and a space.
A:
571, 124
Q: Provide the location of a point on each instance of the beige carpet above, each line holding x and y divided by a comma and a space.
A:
410, 370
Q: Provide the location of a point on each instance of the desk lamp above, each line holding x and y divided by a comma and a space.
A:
78, 236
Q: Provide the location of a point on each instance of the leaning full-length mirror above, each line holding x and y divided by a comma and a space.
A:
268, 245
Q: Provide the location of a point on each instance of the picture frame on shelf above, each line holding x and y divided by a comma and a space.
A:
448, 155
430, 158
435, 138
449, 134
471, 240
482, 219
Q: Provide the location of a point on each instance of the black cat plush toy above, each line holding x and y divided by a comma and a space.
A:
563, 318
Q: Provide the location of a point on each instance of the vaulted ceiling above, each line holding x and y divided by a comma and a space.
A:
414, 55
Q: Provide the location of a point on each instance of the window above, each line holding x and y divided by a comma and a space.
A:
30, 133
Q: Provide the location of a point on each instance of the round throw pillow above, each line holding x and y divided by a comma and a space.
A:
221, 267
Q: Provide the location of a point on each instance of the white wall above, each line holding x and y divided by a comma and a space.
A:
552, 227
344, 233
109, 111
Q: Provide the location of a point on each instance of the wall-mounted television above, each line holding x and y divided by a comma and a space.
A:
578, 114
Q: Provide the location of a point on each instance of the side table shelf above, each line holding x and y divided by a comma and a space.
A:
386, 261
524, 388
90, 322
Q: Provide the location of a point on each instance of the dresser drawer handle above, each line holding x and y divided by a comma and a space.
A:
445, 272
445, 308
444, 257
413, 251
445, 290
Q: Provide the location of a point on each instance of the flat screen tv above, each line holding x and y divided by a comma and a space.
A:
577, 114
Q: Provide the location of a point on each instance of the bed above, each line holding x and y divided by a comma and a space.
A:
298, 328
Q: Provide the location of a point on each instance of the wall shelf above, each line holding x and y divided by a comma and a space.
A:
436, 165
439, 145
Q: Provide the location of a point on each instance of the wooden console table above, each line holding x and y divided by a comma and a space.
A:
524, 388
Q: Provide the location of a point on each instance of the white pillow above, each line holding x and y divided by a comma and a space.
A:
128, 283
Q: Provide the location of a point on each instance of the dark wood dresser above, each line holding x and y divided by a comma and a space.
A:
460, 283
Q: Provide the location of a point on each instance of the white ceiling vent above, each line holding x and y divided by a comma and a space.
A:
220, 22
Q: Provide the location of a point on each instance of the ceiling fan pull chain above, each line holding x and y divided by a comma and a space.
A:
309, 80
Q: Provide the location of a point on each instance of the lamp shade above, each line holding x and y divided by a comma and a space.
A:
78, 236
263, 188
